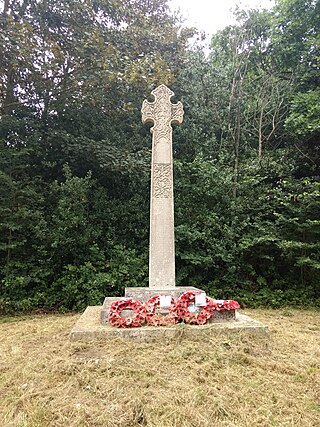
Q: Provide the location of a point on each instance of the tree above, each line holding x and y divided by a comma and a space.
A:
73, 75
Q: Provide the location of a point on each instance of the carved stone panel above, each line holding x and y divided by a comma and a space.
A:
162, 180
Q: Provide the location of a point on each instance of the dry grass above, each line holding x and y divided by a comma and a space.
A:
237, 380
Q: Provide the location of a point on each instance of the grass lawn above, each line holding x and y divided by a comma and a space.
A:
237, 380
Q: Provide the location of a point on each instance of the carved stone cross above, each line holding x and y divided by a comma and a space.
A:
162, 114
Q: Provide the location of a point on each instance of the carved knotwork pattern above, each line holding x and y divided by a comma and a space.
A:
162, 113
162, 180
162, 124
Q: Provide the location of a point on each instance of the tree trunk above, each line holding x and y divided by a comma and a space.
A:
260, 135
5, 7
9, 99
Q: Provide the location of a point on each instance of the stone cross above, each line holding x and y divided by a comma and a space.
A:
161, 113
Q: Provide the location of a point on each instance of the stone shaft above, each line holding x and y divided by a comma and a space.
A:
162, 114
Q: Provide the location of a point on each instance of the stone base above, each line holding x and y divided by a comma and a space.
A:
89, 328
106, 307
143, 294
223, 316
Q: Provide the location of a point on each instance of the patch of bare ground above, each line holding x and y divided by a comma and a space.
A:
234, 380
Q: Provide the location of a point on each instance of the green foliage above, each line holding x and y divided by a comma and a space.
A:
296, 39
304, 119
88, 284
75, 158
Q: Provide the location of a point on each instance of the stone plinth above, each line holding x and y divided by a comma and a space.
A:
223, 316
143, 294
106, 307
89, 328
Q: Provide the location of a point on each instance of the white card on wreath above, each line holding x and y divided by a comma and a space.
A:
200, 299
165, 301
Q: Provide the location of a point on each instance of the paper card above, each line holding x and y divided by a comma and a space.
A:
219, 301
192, 308
200, 300
165, 301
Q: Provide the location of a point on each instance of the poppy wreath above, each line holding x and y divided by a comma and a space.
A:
155, 319
226, 305
199, 318
137, 319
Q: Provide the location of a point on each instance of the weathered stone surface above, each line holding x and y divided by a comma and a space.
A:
223, 316
89, 328
106, 307
143, 294
162, 114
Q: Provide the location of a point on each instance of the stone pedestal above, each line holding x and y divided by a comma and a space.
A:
223, 316
143, 294
89, 328
105, 308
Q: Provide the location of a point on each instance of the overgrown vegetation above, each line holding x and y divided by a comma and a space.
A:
75, 158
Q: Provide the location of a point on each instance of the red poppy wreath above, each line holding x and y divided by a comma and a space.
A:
156, 319
137, 319
197, 318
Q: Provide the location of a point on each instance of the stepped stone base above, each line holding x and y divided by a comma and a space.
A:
90, 328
